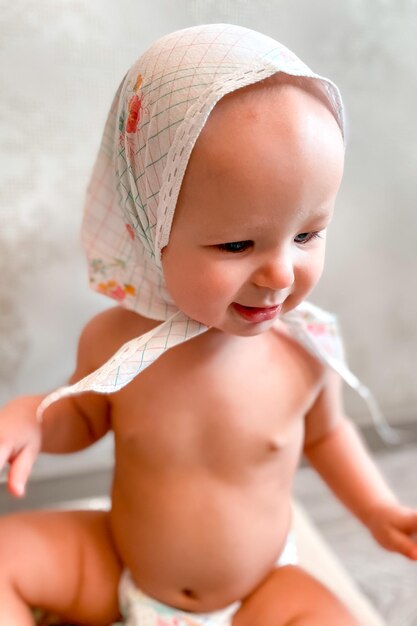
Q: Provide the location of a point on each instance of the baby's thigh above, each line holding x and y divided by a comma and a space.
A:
291, 597
63, 562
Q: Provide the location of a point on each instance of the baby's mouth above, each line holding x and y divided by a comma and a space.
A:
257, 314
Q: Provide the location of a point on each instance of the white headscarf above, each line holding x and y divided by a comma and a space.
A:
155, 119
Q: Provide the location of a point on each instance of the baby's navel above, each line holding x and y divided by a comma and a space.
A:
189, 593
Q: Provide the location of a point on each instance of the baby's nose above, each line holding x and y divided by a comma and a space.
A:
276, 273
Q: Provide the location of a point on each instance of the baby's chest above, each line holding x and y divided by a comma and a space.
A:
241, 411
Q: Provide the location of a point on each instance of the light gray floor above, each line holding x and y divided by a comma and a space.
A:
389, 580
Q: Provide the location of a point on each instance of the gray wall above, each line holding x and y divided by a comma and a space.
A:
61, 63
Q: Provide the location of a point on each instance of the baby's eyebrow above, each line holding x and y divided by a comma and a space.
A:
322, 213
216, 238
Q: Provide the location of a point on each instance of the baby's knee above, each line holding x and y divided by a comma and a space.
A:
13, 608
62, 562
291, 597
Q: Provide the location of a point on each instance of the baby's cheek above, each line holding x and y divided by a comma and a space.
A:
201, 288
207, 296
221, 286
317, 268
310, 273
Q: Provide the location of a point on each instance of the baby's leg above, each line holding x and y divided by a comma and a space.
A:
62, 562
291, 597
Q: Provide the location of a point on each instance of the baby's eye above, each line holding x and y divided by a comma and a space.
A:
304, 238
235, 246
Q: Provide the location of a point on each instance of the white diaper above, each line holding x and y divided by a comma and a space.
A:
138, 609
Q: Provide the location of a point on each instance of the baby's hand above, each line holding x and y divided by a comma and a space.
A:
395, 528
20, 441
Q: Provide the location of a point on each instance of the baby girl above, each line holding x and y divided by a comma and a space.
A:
206, 220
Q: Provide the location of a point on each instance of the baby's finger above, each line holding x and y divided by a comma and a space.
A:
4, 455
410, 522
404, 545
20, 470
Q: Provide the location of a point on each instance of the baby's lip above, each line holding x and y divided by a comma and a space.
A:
256, 314
260, 306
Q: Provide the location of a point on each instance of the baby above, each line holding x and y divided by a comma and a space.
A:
230, 130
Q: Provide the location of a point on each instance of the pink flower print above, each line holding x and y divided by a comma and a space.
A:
134, 108
116, 291
130, 231
113, 289
130, 150
190, 621
317, 329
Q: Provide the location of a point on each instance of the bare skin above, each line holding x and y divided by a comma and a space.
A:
219, 501
239, 480
208, 438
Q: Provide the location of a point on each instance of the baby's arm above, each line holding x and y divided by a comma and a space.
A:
334, 448
68, 425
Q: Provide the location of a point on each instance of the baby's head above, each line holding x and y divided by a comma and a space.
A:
248, 236
230, 131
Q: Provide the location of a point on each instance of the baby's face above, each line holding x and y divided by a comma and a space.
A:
248, 238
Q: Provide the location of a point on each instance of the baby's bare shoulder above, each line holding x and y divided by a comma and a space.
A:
106, 332
120, 322
282, 342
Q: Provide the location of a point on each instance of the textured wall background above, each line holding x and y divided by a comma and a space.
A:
61, 63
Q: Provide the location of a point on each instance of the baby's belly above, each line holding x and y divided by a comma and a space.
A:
195, 542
